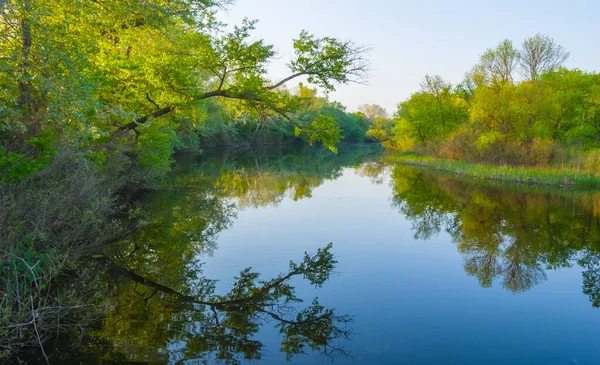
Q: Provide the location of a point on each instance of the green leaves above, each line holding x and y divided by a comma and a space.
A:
323, 129
155, 146
95, 70
328, 60
17, 166
493, 116
433, 113
497, 65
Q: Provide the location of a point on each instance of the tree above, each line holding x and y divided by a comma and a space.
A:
530, 121
497, 65
492, 108
541, 54
466, 89
432, 113
239, 69
115, 85
435, 85
381, 130
146, 66
372, 111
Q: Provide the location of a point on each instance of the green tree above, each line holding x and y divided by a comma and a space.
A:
147, 67
431, 114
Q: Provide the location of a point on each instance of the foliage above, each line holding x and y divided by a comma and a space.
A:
96, 97
432, 113
120, 67
381, 130
315, 119
497, 65
47, 221
550, 116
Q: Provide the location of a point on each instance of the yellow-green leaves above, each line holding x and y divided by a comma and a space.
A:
323, 129
433, 113
90, 72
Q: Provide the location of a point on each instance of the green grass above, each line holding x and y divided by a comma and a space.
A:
557, 175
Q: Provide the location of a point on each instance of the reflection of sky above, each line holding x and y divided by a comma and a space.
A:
412, 301
412, 38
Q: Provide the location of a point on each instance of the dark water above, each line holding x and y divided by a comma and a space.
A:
430, 269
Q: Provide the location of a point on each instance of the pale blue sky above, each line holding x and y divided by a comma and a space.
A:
412, 38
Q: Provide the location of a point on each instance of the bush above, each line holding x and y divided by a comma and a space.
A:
461, 145
497, 149
46, 222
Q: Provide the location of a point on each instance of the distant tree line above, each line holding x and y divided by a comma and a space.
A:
515, 106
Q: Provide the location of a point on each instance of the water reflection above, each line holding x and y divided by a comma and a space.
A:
265, 177
512, 234
158, 305
150, 321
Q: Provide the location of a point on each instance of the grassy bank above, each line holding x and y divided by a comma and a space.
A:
554, 175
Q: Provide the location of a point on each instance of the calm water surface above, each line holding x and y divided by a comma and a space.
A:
430, 269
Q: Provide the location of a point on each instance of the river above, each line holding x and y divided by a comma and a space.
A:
427, 268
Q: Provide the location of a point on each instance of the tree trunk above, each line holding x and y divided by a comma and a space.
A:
24, 101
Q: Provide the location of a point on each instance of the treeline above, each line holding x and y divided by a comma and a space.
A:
143, 77
226, 125
515, 106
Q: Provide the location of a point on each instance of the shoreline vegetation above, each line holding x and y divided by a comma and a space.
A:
518, 116
91, 116
550, 176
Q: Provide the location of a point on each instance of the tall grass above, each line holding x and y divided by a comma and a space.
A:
580, 174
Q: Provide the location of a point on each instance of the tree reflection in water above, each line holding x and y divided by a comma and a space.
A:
510, 233
149, 321
158, 305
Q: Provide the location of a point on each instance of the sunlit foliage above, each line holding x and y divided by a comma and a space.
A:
517, 107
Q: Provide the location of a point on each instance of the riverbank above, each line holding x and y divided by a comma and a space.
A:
558, 176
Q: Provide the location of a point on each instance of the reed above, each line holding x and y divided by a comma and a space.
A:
563, 175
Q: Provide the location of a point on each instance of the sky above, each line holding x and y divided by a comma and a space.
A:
412, 38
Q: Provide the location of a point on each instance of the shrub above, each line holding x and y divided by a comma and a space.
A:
46, 222
495, 148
